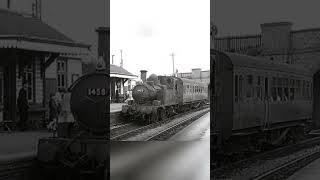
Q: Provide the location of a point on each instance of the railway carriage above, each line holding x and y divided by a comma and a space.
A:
163, 96
256, 96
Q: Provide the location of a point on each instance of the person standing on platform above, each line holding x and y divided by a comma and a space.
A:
53, 114
66, 118
117, 96
23, 107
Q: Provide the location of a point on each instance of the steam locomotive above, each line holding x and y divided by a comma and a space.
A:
82, 153
163, 96
257, 101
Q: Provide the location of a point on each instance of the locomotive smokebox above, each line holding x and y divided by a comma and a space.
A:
143, 75
144, 93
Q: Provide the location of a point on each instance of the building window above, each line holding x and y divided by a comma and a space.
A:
61, 74
28, 75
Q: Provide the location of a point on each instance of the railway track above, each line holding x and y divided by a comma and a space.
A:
163, 134
276, 164
134, 129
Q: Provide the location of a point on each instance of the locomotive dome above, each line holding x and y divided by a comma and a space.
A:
154, 78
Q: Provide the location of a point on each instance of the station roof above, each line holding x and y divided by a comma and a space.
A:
117, 71
18, 31
241, 60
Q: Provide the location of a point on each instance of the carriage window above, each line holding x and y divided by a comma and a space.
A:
250, 89
297, 87
280, 94
259, 88
240, 86
274, 93
303, 89
236, 88
250, 79
274, 90
308, 89
291, 90
286, 90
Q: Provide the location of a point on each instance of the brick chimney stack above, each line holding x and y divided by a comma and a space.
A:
104, 43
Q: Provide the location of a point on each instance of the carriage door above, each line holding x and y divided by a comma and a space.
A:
266, 102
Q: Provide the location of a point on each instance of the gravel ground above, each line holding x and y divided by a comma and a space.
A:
255, 168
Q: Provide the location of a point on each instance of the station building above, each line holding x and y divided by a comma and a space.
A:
28, 47
118, 78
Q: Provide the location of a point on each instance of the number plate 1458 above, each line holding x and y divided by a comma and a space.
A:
96, 92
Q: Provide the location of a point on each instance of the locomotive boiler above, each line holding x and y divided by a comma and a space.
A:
160, 97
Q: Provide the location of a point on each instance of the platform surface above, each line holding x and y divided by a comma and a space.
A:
198, 130
20, 144
116, 107
309, 172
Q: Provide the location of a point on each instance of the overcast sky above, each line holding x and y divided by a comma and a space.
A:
149, 30
234, 17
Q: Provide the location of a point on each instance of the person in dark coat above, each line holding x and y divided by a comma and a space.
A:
23, 106
117, 96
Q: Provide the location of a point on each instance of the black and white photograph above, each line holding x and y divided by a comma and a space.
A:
159, 70
159, 89
53, 89
265, 89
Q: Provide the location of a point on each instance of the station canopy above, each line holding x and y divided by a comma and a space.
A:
20, 32
119, 72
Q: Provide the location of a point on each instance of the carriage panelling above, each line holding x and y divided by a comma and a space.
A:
254, 104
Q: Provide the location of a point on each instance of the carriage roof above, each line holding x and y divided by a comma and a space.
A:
240, 60
192, 81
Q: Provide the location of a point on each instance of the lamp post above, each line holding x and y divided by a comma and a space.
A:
172, 54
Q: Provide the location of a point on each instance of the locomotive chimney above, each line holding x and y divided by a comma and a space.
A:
103, 43
143, 75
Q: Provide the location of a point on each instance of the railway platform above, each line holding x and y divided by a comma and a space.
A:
198, 130
20, 144
116, 107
